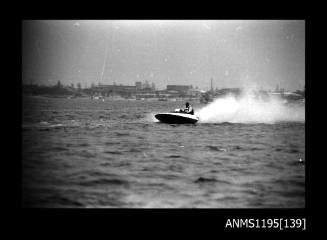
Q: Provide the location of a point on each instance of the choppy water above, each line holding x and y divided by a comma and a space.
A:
89, 153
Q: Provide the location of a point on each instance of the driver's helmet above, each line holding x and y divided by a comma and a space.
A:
187, 104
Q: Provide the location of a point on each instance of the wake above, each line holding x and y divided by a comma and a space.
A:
250, 109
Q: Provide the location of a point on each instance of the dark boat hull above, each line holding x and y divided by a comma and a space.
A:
179, 118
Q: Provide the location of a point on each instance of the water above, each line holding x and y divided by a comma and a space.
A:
89, 153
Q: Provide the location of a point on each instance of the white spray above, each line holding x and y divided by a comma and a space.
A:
249, 109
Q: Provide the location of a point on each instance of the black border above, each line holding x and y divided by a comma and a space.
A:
165, 220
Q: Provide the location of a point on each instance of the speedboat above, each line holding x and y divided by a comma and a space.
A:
178, 116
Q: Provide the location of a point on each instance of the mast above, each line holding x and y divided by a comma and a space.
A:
104, 64
211, 87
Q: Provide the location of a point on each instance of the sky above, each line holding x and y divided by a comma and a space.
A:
234, 53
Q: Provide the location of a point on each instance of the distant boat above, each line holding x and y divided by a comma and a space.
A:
98, 98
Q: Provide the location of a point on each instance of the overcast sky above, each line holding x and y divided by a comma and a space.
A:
234, 53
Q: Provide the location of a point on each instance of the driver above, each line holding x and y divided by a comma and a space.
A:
188, 109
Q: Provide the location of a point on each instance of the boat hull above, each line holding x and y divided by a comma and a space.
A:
179, 118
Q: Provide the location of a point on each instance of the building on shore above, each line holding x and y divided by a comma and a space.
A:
113, 90
144, 91
179, 88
